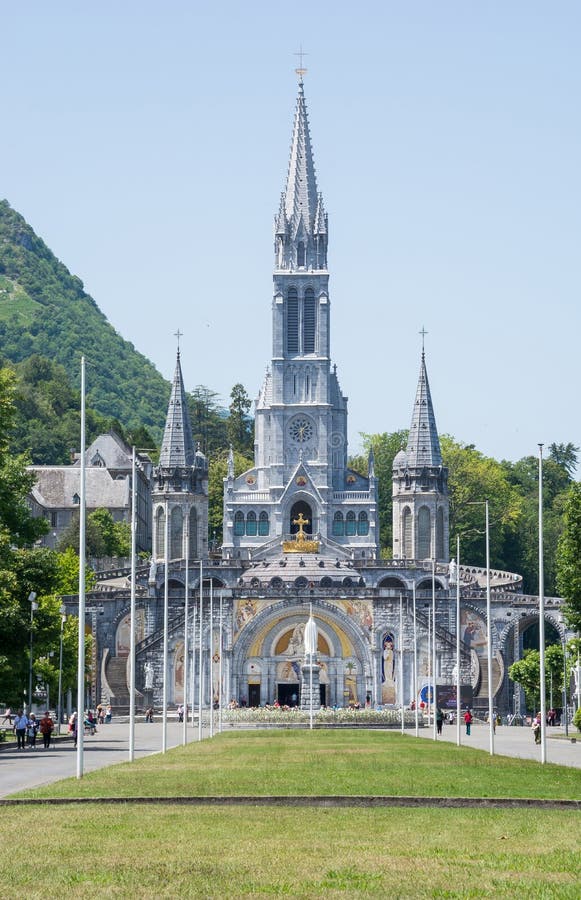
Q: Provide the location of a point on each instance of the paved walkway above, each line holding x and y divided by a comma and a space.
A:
515, 741
27, 769
20, 770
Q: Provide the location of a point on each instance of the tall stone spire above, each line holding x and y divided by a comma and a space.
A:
301, 193
301, 224
423, 448
177, 449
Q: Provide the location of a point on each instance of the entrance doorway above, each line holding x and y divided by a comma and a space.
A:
288, 694
301, 508
253, 695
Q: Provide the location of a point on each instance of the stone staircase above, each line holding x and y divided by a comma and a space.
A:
117, 679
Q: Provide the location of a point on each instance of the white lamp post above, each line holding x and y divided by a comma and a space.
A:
132, 614
488, 628
63, 610
542, 615
82, 569
433, 650
33, 607
416, 710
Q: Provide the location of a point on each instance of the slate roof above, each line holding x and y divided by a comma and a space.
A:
423, 447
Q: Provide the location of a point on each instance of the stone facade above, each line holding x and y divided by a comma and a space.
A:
301, 533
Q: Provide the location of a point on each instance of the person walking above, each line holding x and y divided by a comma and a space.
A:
468, 721
20, 726
439, 720
46, 728
537, 728
31, 730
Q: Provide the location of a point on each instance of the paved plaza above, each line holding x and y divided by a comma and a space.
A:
28, 769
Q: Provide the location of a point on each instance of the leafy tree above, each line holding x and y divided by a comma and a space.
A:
569, 557
385, 447
240, 427
218, 469
521, 550
527, 673
472, 478
103, 536
208, 419
566, 456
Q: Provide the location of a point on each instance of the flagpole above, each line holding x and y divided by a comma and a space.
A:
210, 658
201, 678
132, 616
186, 636
416, 710
435, 704
401, 661
542, 615
165, 627
220, 648
458, 679
82, 585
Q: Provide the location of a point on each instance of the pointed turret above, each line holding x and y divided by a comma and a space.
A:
177, 449
301, 186
423, 447
301, 225
420, 485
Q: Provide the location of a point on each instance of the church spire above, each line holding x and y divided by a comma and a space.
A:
423, 447
301, 223
177, 449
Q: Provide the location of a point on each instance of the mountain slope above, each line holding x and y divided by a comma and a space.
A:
45, 310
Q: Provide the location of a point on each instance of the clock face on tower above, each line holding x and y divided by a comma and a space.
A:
300, 429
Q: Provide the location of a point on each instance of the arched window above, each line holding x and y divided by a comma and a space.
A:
301, 254
239, 523
176, 533
193, 537
292, 321
424, 533
406, 531
263, 524
160, 532
350, 523
251, 524
309, 321
440, 534
338, 525
363, 524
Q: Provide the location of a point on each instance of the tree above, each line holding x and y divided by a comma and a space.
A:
566, 456
103, 536
384, 446
472, 478
208, 419
527, 673
240, 426
217, 473
569, 557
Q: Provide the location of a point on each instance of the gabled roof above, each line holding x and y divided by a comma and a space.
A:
423, 447
301, 196
177, 448
58, 487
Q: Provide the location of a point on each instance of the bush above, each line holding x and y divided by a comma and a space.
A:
577, 719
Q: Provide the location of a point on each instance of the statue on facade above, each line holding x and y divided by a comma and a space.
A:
453, 571
152, 571
148, 672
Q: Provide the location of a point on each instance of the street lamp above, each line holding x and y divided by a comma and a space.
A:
488, 626
33, 607
542, 616
63, 611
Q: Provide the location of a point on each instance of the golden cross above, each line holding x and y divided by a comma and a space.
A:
300, 522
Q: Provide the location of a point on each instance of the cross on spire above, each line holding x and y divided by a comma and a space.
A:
301, 70
423, 333
178, 334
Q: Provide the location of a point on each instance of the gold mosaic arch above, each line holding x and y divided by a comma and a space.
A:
256, 648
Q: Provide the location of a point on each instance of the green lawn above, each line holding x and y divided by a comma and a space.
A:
189, 851
323, 762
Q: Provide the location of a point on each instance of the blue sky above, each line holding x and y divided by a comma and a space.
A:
148, 143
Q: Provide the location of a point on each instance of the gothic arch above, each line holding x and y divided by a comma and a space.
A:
291, 608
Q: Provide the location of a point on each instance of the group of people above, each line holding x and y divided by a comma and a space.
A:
26, 728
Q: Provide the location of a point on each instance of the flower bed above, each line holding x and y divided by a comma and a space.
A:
326, 717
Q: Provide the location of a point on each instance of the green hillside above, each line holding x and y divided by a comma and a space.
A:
44, 310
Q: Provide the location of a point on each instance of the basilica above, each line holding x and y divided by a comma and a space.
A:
301, 536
